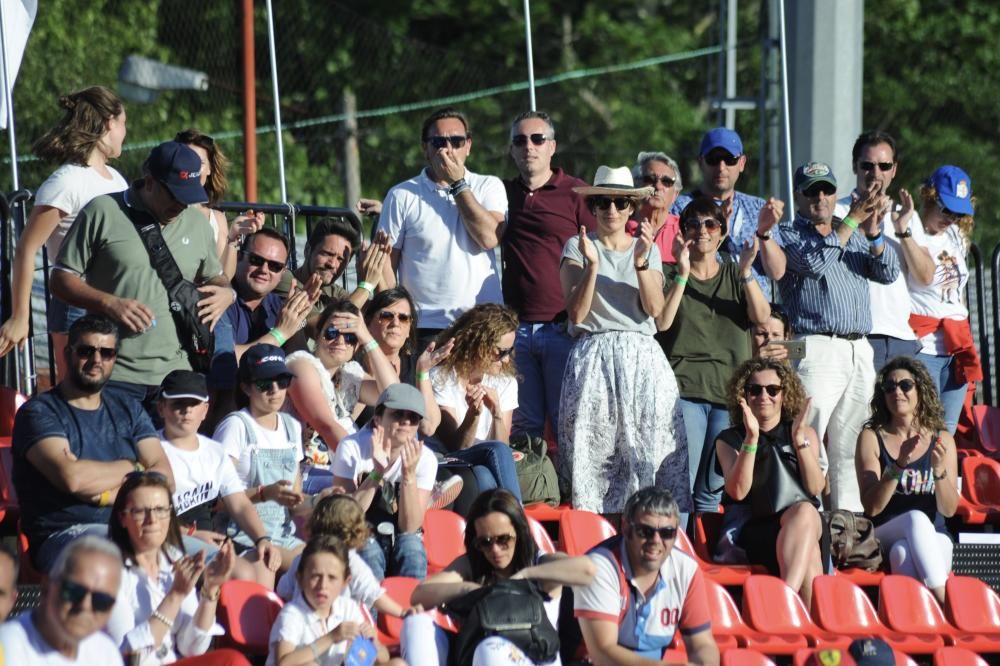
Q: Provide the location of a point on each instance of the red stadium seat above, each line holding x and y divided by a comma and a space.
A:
579, 531
247, 610
972, 605
730, 631
724, 574
861, 577
745, 657
400, 589
956, 656
545, 513
987, 420
803, 655
771, 607
979, 500
28, 574
444, 538
10, 509
706, 534
541, 537
10, 402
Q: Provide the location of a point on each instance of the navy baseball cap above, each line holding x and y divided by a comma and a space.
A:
178, 168
263, 362
721, 137
813, 172
954, 189
871, 652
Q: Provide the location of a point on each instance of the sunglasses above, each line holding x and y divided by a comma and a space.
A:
88, 351
696, 225
604, 203
264, 385
952, 215
504, 352
140, 513
889, 386
407, 415
385, 316
502, 540
653, 179
714, 160
74, 593
439, 142
257, 261
756, 390
814, 191
521, 140
332, 332
646, 532
870, 166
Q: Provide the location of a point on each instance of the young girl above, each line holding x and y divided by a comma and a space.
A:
318, 625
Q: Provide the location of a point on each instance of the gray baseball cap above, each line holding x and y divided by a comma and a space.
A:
402, 397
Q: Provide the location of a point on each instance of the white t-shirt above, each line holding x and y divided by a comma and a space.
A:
444, 269
20, 643
201, 475
70, 188
232, 434
890, 303
449, 392
943, 297
353, 460
299, 625
363, 587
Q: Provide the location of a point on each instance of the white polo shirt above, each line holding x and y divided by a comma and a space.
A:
440, 264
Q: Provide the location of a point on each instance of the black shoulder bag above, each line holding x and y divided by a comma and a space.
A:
183, 295
777, 481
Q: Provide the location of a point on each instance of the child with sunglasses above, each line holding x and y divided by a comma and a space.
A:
265, 444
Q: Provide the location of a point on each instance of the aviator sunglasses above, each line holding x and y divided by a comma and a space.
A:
521, 140
502, 540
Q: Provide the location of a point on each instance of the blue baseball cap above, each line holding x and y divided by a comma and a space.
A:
263, 361
178, 168
721, 137
954, 189
871, 652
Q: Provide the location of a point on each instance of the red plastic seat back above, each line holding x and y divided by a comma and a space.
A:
444, 538
987, 420
10, 402
772, 607
579, 531
842, 607
973, 606
541, 536
247, 610
957, 656
745, 657
706, 534
981, 480
399, 589
726, 618
906, 605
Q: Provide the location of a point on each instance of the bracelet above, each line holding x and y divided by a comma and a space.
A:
748, 448
260, 493
256, 542
875, 243
940, 478
422, 375
279, 336
138, 466
851, 223
191, 529
211, 597
763, 237
458, 187
747, 280
893, 472
375, 476
105, 499
908, 233
804, 445
157, 615
370, 346
367, 286
681, 280
234, 295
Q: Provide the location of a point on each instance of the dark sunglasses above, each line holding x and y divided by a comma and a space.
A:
386, 316
502, 540
814, 191
74, 593
504, 352
889, 386
646, 532
870, 166
521, 140
439, 142
949, 213
696, 225
756, 389
331, 333
407, 415
604, 203
264, 385
257, 261
88, 351
714, 160
653, 179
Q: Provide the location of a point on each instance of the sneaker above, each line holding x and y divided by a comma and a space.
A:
445, 492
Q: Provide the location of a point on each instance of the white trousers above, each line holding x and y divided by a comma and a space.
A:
916, 549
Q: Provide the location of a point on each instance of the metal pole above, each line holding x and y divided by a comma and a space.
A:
527, 46
785, 122
249, 104
8, 100
277, 102
731, 62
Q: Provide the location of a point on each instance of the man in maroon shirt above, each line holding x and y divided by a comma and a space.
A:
543, 213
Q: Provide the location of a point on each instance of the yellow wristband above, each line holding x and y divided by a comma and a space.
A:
681, 280
105, 499
850, 222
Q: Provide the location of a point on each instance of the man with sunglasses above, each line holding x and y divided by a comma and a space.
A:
544, 213
444, 227
74, 444
644, 590
77, 598
874, 162
722, 160
825, 292
659, 171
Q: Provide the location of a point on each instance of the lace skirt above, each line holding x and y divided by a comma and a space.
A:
620, 424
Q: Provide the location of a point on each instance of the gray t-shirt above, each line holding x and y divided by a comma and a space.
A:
616, 305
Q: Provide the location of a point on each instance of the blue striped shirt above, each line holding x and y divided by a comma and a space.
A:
825, 288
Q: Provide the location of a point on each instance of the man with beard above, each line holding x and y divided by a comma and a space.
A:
644, 590
74, 444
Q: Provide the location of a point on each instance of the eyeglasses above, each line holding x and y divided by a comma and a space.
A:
714, 160
74, 593
653, 179
756, 390
439, 142
604, 203
502, 540
646, 532
257, 261
504, 352
88, 351
696, 225
521, 140
385, 316
870, 166
332, 332
140, 512
815, 190
264, 385
889, 386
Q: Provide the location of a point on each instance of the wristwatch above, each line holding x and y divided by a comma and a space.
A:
763, 237
908, 233
643, 266
804, 445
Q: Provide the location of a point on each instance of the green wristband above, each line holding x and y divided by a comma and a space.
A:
850, 222
367, 286
748, 448
681, 280
422, 375
370, 345
277, 335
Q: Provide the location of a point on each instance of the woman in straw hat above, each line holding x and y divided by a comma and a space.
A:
620, 424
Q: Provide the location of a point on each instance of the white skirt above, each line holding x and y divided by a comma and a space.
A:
620, 424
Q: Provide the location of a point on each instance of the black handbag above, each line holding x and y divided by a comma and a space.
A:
512, 609
777, 483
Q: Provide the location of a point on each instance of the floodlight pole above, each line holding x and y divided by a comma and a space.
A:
785, 122
249, 105
8, 100
277, 101
527, 46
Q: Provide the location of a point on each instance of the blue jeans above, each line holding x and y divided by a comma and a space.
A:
46, 555
703, 421
950, 391
408, 556
885, 348
540, 353
492, 463
222, 374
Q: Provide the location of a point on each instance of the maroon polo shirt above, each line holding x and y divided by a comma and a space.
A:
538, 225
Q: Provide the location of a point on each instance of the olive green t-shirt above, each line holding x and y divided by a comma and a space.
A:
104, 248
710, 335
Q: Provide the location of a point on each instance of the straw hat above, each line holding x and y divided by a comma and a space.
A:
613, 182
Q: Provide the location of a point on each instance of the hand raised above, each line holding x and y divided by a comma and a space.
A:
747, 255
750, 423
587, 247
770, 215
645, 241
433, 355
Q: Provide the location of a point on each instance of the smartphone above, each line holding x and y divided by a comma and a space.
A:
796, 348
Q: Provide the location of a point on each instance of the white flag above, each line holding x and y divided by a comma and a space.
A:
18, 17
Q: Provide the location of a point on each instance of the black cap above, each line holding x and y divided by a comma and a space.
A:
184, 384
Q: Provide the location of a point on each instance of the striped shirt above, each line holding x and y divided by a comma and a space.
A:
825, 288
